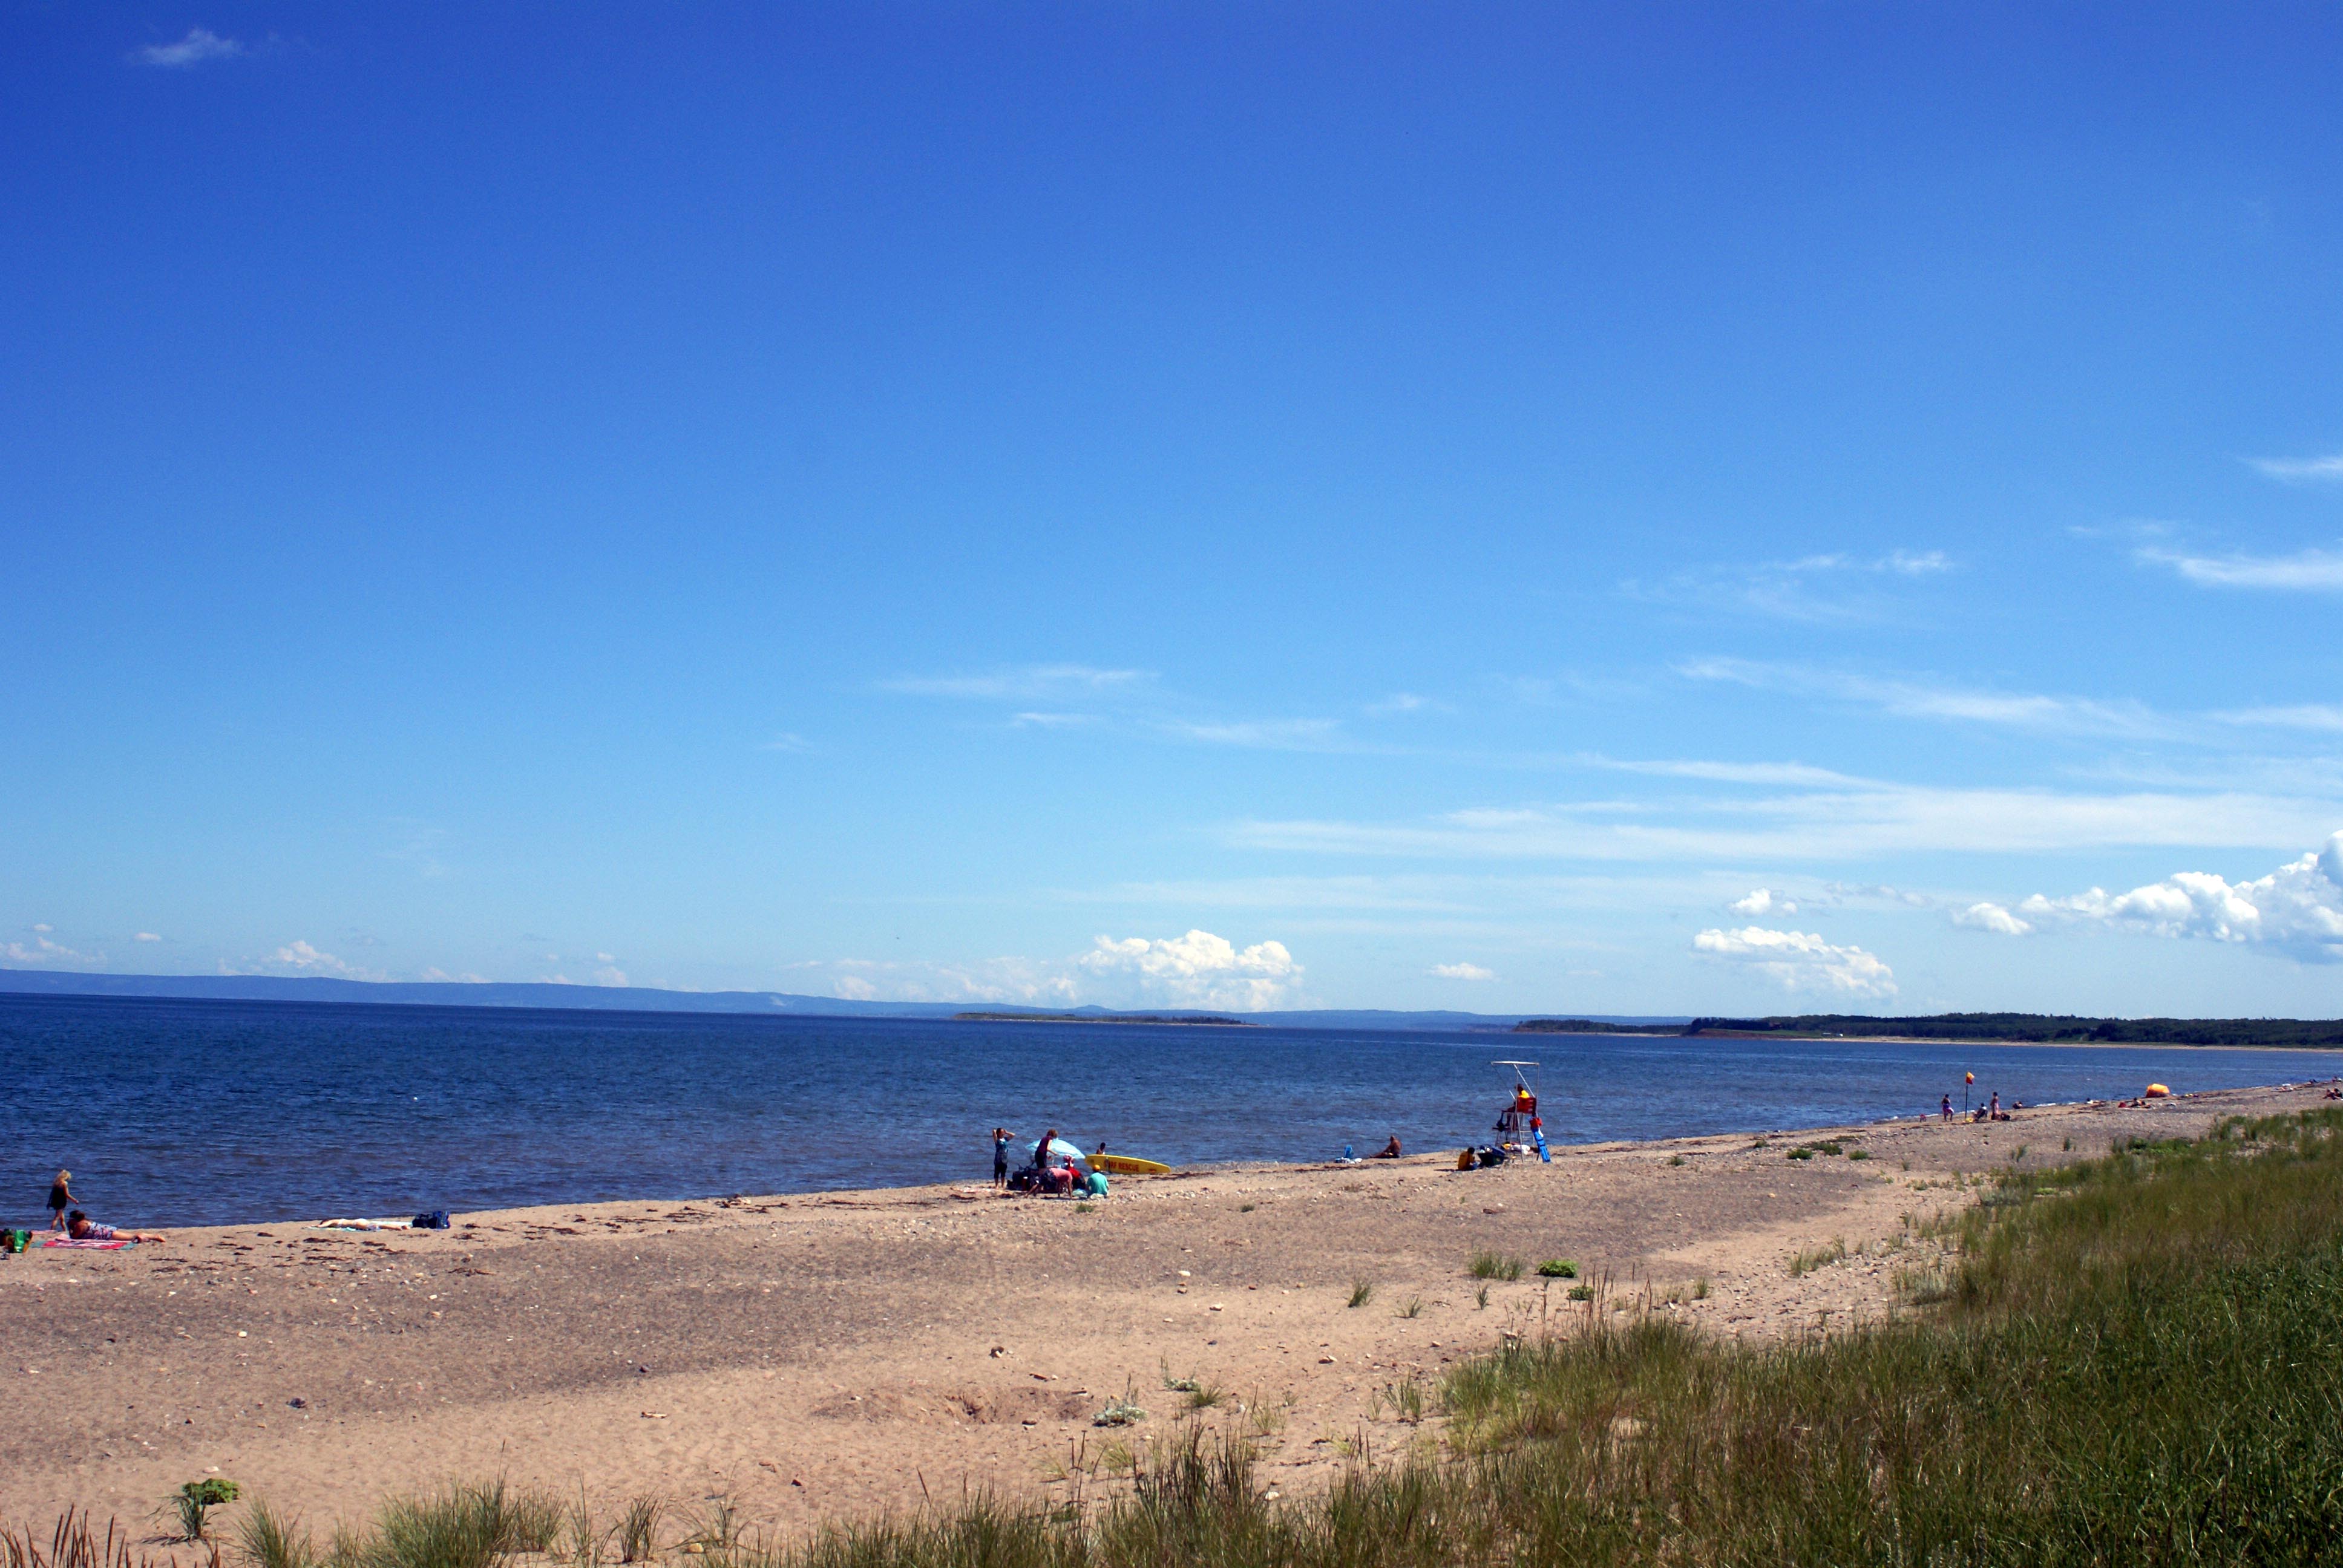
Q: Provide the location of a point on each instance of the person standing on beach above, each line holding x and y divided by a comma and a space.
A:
61, 1199
1000, 1137
1947, 1108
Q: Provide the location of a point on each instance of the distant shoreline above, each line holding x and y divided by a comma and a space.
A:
1201, 1020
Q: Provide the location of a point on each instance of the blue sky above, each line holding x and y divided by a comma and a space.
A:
1354, 506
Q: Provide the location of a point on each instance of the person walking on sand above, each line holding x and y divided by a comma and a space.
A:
61, 1199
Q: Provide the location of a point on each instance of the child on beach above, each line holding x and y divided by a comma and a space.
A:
61, 1199
1000, 1137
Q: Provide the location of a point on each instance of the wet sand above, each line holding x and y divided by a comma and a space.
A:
819, 1356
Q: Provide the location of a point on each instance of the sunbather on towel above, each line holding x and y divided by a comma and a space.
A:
82, 1228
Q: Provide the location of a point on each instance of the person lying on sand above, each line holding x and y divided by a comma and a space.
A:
82, 1228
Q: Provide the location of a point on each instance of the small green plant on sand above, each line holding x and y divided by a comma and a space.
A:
1581, 1293
1120, 1413
1481, 1297
1085, 1208
196, 1498
1676, 1159
1414, 1307
1557, 1269
1362, 1292
1700, 1290
1858, 1154
1247, 1208
1800, 1153
1206, 1396
1489, 1265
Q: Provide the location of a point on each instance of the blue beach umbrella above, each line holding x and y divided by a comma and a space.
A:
1065, 1151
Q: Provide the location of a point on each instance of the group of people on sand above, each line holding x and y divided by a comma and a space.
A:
1990, 1112
1051, 1170
66, 1215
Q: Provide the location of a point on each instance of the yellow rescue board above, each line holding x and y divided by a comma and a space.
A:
1126, 1165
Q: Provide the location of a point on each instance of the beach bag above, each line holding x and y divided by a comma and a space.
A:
435, 1220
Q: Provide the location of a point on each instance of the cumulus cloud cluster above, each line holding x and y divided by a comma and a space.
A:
2297, 909
1763, 902
1199, 969
42, 949
1800, 960
1463, 972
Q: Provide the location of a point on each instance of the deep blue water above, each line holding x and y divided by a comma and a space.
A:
194, 1113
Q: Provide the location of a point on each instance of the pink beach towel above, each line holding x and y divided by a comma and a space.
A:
86, 1246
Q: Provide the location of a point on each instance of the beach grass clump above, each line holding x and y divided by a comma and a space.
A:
460, 1527
1362, 1292
1808, 1260
637, 1532
270, 1538
1489, 1265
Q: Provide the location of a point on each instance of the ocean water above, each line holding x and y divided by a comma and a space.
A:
198, 1113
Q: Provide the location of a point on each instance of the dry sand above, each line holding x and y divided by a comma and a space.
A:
827, 1356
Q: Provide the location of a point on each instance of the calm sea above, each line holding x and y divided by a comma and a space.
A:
187, 1112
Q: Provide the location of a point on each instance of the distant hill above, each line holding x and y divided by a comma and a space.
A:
1205, 1018
2030, 1028
644, 999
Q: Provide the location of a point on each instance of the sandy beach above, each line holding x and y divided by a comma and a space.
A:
819, 1356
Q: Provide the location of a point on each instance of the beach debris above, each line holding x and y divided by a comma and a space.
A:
1325, 1360
654, 1415
997, 1350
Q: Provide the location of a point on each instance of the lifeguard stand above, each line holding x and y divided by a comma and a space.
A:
1518, 1125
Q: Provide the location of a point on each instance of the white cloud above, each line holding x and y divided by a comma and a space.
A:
1829, 586
1989, 917
1800, 960
1030, 680
1925, 699
2302, 716
787, 740
44, 951
1728, 772
1268, 734
1051, 721
145, 937
441, 977
608, 973
2297, 909
2312, 571
300, 956
854, 988
1199, 969
1842, 824
200, 44
1463, 972
2297, 470
1763, 901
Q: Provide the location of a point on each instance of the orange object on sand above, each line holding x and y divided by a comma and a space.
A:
2157, 1091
